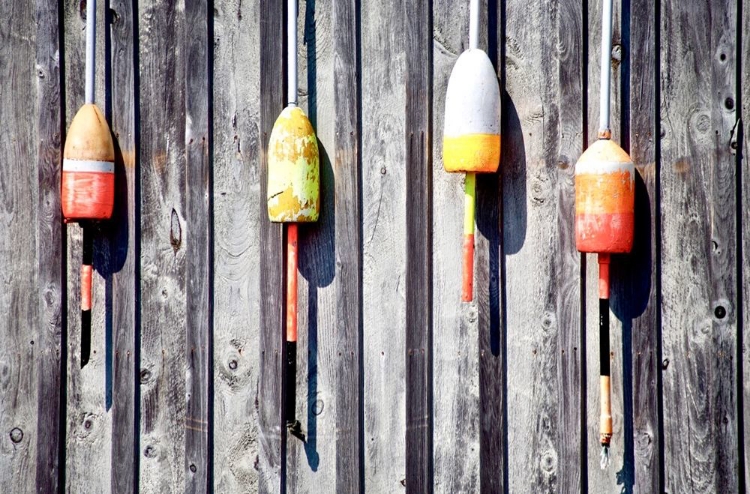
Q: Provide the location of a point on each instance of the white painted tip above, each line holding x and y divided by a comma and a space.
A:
604, 460
472, 100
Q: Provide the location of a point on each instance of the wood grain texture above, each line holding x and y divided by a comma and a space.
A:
634, 299
89, 421
124, 251
454, 323
165, 225
238, 208
271, 434
199, 256
20, 304
384, 244
348, 227
606, 480
311, 465
418, 126
49, 293
488, 283
698, 263
542, 141
744, 235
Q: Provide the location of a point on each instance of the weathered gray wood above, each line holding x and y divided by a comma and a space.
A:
348, 228
237, 211
123, 254
198, 268
698, 207
165, 225
455, 323
49, 254
606, 480
488, 282
744, 235
88, 424
384, 242
311, 465
635, 296
20, 325
419, 415
271, 435
542, 141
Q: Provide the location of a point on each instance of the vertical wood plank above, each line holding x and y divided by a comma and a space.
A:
635, 297
49, 279
311, 465
744, 236
542, 141
237, 211
124, 253
488, 282
698, 238
164, 229
419, 416
198, 241
348, 227
89, 423
21, 327
606, 480
271, 436
384, 244
455, 323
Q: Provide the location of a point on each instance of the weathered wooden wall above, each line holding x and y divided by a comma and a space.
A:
400, 386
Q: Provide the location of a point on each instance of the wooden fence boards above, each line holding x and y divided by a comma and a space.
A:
454, 323
400, 387
383, 244
89, 422
238, 208
542, 142
698, 257
21, 324
165, 225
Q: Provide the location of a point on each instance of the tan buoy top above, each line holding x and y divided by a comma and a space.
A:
89, 138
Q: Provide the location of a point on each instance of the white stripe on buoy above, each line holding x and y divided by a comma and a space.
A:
472, 100
70, 165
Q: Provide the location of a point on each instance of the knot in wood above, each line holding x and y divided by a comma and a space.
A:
16, 435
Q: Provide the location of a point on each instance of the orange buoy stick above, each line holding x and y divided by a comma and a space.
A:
291, 324
87, 269
605, 417
467, 285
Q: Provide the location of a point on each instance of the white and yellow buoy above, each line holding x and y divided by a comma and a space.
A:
471, 134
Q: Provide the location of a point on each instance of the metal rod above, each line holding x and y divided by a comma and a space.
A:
291, 28
606, 73
474, 24
90, 49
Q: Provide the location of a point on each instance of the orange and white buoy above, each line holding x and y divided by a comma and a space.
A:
293, 197
88, 176
605, 219
471, 134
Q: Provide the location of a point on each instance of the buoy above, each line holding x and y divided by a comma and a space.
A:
605, 220
88, 177
471, 134
293, 197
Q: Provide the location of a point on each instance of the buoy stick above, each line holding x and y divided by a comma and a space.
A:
291, 322
90, 49
87, 269
604, 131
291, 29
467, 287
605, 417
474, 24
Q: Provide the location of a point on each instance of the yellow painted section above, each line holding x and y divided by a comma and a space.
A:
470, 199
293, 169
478, 153
604, 150
605, 193
89, 137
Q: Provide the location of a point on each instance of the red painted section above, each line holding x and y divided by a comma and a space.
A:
86, 275
606, 233
467, 287
88, 195
291, 282
603, 276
